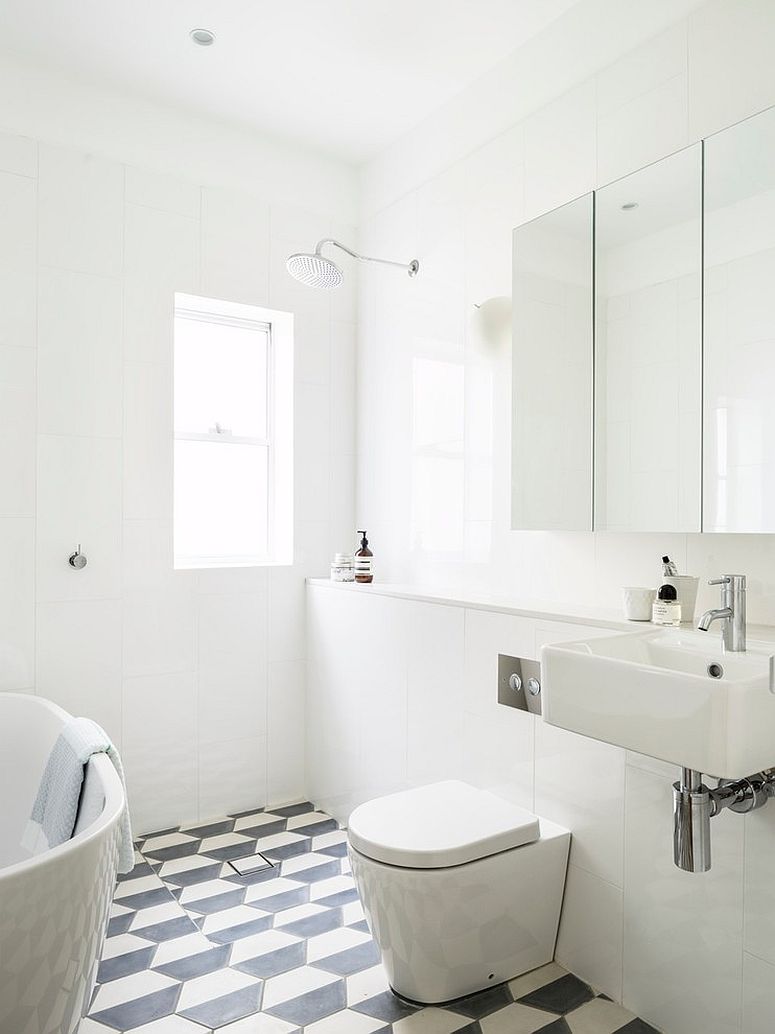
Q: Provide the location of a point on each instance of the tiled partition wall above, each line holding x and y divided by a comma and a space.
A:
197, 676
402, 692
434, 401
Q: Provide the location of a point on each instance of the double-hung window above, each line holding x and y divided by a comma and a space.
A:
233, 431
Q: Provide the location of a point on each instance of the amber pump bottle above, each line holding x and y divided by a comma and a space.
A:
363, 561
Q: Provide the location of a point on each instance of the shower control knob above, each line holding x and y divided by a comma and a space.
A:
77, 559
515, 682
533, 686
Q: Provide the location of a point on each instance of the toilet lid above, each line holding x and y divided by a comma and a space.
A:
431, 827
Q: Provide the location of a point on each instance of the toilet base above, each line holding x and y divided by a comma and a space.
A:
447, 933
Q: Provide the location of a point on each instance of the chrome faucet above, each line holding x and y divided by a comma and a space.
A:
731, 612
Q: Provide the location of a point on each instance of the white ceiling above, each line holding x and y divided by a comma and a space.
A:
344, 76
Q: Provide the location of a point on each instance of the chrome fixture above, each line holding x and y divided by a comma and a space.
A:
731, 612
202, 37
77, 559
315, 270
519, 683
695, 804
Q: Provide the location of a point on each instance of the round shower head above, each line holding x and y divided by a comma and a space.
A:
314, 270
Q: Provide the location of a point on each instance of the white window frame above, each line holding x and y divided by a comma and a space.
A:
279, 425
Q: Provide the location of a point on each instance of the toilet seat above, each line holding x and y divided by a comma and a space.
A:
439, 826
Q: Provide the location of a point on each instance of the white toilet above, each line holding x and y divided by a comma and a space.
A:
462, 890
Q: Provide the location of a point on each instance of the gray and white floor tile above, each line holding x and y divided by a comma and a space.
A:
201, 940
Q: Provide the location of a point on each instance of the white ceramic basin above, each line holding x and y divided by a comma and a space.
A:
652, 692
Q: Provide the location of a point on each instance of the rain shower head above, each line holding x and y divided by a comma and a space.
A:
315, 270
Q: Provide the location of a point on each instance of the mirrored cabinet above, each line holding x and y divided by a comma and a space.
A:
648, 348
552, 371
643, 361
739, 339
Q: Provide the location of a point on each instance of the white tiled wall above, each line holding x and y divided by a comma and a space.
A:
198, 677
662, 96
403, 692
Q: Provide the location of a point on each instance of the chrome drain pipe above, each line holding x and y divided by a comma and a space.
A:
694, 805
691, 822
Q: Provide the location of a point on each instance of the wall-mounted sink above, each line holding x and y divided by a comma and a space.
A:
668, 693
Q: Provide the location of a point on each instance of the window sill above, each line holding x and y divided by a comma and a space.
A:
203, 564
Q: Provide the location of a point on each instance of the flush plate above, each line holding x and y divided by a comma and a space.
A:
525, 670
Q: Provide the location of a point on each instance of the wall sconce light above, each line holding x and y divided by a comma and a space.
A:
491, 322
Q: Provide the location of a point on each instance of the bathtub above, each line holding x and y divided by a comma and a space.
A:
53, 906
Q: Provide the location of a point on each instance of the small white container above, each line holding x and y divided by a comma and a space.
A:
638, 602
343, 568
686, 586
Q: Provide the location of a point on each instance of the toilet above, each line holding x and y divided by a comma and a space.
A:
462, 890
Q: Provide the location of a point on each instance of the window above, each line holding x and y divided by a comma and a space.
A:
233, 434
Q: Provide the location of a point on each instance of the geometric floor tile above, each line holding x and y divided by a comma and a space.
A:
195, 946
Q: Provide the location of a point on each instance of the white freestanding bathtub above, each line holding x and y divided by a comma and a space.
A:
53, 906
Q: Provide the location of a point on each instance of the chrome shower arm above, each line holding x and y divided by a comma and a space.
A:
411, 267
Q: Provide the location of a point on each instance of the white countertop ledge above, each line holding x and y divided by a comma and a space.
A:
539, 610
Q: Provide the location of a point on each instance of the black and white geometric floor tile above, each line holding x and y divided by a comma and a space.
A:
195, 946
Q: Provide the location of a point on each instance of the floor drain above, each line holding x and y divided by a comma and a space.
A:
251, 863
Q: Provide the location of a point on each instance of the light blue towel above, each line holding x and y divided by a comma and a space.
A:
55, 811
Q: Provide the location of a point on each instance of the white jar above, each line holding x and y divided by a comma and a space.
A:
342, 568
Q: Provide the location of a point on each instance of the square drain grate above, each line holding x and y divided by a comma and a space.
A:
251, 863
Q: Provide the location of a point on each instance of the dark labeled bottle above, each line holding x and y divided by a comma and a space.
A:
363, 561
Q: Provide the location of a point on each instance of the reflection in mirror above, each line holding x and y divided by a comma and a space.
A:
552, 371
739, 417
648, 348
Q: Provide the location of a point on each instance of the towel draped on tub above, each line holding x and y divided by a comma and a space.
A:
55, 811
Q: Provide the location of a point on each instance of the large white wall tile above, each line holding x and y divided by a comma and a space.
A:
758, 995
79, 659
560, 151
165, 192
579, 783
759, 889
161, 257
79, 354
232, 666
17, 603
683, 932
17, 432
589, 943
232, 776
160, 631
498, 753
643, 130
435, 724
147, 441
235, 246
286, 723
731, 73
80, 211
159, 750
79, 501
286, 617
17, 260
18, 154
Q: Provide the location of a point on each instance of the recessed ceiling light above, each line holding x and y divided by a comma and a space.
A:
628, 206
203, 37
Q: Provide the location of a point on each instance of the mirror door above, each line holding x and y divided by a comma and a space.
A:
648, 348
552, 360
739, 375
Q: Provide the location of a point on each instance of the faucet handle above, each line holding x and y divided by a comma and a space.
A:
720, 581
